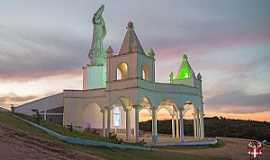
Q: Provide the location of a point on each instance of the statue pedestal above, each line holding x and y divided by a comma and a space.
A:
98, 61
94, 76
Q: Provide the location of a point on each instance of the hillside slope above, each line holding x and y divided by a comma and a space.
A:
18, 140
21, 141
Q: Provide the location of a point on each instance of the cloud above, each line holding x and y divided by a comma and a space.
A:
12, 98
42, 86
239, 102
41, 43
24, 77
35, 55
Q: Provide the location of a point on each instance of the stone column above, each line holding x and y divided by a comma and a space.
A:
177, 125
173, 126
128, 123
154, 125
45, 115
181, 126
202, 125
194, 126
198, 126
137, 129
104, 122
108, 121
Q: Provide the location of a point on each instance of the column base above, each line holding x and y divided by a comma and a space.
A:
155, 139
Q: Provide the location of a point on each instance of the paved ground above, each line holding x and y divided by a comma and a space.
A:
14, 146
234, 149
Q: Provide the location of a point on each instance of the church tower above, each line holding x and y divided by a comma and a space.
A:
131, 63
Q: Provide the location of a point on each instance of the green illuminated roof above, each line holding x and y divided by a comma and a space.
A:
185, 71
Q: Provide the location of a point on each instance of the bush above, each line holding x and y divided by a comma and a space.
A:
113, 138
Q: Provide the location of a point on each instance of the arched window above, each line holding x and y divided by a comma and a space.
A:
116, 117
145, 72
143, 75
122, 71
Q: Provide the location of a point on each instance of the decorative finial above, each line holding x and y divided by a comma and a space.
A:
185, 57
199, 76
150, 52
171, 77
130, 25
109, 51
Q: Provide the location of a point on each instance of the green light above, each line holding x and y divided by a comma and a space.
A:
185, 71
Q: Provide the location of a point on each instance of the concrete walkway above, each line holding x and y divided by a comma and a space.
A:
205, 142
167, 140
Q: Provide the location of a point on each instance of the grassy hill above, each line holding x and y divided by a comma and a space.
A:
220, 127
31, 143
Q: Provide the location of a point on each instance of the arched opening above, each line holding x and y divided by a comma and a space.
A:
145, 115
122, 71
118, 120
116, 117
189, 118
145, 125
145, 120
166, 121
90, 116
145, 72
143, 75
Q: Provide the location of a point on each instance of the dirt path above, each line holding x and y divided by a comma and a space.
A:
234, 149
19, 146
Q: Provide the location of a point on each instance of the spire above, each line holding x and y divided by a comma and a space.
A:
185, 70
131, 42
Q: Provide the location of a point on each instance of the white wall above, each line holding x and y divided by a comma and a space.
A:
82, 112
47, 103
92, 117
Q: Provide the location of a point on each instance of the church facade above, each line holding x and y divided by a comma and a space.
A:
121, 85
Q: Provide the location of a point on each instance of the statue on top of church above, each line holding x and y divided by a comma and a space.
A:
97, 53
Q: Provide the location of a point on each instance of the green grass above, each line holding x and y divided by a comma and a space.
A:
63, 130
8, 120
110, 154
24, 129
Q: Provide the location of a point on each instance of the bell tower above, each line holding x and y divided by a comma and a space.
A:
132, 63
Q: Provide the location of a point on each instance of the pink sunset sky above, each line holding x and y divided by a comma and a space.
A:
44, 44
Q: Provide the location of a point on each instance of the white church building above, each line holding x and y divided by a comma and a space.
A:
118, 86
